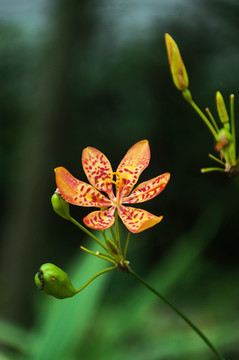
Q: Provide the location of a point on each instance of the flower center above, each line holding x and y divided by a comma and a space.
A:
116, 182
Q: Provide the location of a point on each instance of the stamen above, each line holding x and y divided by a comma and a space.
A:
116, 182
110, 180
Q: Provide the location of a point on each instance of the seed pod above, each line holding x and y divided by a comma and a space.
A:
54, 281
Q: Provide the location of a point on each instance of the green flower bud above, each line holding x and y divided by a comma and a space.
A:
221, 108
60, 206
54, 281
178, 70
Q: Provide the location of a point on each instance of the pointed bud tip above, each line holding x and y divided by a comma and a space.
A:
221, 108
178, 70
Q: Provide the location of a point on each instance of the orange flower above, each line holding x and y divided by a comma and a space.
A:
100, 175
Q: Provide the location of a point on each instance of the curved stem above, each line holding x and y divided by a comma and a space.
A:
94, 277
88, 233
100, 255
184, 317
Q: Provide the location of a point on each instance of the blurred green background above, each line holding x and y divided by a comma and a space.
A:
79, 73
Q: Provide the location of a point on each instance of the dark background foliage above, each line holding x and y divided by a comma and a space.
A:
82, 73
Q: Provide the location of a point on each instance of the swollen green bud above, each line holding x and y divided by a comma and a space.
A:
178, 70
54, 281
60, 206
221, 108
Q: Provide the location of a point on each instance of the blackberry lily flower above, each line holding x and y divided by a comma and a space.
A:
101, 177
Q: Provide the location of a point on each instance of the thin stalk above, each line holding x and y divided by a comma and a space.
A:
117, 230
99, 255
212, 119
184, 317
88, 233
210, 169
233, 128
94, 277
205, 119
126, 245
104, 235
112, 234
216, 159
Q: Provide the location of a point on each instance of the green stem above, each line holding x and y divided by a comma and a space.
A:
112, 234
212, 119
104, 235
210, 169
117, 230
205, 119
99, 255
184, 317
233, 129
88, 233
216, 159
95, 276
126, 245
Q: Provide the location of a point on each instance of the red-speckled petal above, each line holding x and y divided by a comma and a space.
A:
147, 190
78, 192
100, 220
137, 220
97, 169
132, 165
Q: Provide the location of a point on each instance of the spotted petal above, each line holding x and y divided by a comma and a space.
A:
132, 165
137, 220
97, 169
100, 220
78, 192
148, 189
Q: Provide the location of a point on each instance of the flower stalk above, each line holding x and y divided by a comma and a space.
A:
87, 232
94, 277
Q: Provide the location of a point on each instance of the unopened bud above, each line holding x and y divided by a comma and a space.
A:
221, 108
60, 206
54, 281
178, 70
